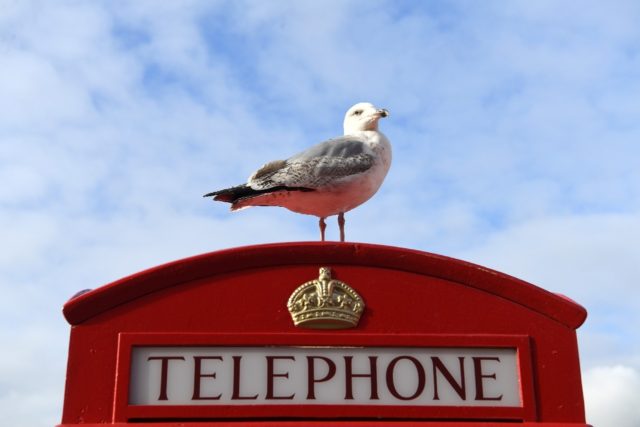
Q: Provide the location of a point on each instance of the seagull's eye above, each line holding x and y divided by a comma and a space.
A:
357, 112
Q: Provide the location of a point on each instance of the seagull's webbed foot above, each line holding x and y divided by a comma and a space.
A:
323, 227
341, 225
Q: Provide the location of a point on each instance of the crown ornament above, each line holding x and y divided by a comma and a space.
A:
325, 303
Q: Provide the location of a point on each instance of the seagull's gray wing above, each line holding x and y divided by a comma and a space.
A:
322, 164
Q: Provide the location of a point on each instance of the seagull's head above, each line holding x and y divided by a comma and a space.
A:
363, 116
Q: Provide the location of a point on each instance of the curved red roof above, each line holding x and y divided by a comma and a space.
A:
89, 304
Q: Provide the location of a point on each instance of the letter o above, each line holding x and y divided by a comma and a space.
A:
421, 378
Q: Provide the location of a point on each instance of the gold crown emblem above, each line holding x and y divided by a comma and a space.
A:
325, 303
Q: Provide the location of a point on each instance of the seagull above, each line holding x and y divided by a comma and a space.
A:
330, 178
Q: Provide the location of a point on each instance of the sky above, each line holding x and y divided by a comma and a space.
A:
514, 124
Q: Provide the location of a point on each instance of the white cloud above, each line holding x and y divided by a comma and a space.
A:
611, 396
581, 254
35, 92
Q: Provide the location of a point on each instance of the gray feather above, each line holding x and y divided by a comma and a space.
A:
344, 146
318, 166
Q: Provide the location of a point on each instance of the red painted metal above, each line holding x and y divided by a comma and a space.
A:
330, 423
238, 297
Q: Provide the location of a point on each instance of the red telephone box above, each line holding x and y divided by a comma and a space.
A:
322, 334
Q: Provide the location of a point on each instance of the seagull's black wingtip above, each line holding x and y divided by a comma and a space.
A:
230, 194
244, 191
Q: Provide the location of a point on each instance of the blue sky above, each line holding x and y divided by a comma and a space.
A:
514, 127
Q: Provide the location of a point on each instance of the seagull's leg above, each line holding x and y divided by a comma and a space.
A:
323, 227
341, 224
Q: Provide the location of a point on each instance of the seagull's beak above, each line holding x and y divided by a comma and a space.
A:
383, 112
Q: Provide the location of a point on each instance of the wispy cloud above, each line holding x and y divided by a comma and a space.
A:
612, 395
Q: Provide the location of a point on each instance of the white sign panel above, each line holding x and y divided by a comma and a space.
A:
324, 375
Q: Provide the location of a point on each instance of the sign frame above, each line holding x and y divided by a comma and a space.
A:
124, 412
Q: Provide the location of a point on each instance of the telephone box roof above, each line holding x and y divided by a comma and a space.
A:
557, 307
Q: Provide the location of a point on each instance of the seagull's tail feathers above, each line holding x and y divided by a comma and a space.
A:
231, 194
242, 196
